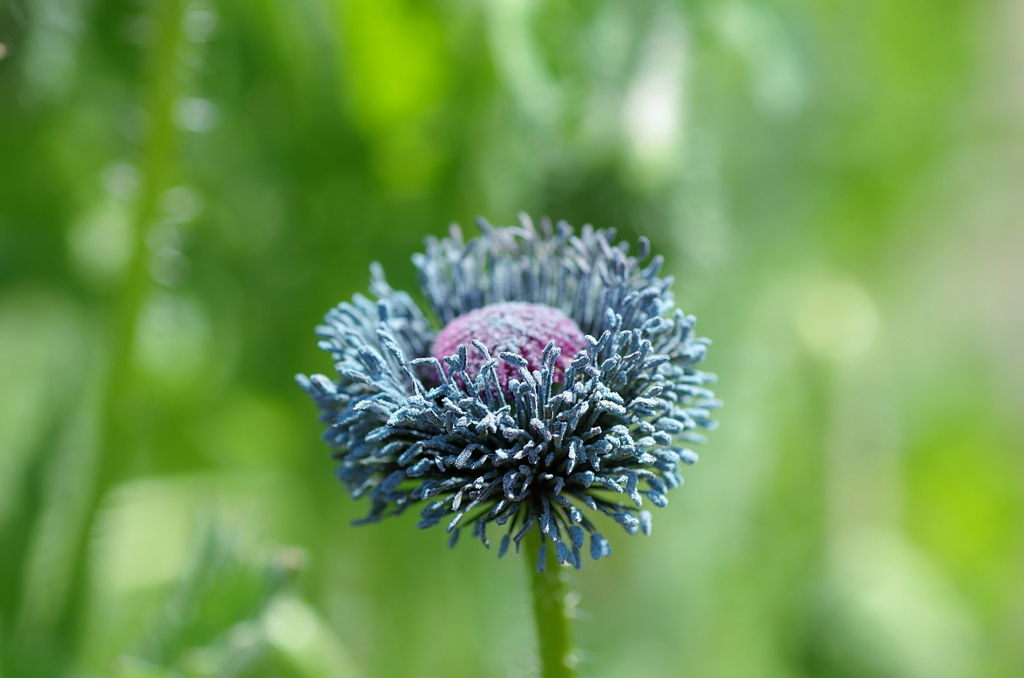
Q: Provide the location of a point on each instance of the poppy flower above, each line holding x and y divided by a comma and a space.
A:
561, 384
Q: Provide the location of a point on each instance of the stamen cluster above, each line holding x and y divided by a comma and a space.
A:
485, 436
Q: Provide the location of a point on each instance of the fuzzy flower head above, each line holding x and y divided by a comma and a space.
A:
562, 379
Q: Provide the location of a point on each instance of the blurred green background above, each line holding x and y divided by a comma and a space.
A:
186, 187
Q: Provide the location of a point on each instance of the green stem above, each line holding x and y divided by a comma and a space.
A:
554, 630
163, 86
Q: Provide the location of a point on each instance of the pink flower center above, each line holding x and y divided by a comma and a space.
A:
517, 327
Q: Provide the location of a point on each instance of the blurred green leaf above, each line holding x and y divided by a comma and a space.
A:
834, 186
